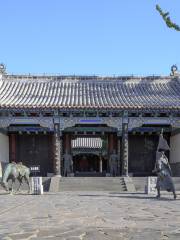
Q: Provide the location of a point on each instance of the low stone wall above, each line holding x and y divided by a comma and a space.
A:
175, 169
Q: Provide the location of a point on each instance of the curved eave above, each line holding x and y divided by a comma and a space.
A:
136, 108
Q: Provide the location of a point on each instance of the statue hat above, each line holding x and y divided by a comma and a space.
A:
163, 145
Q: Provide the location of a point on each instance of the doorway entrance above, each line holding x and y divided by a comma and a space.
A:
89, 164
86, 163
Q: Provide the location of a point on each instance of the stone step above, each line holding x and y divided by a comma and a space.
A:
92, 184
90, 174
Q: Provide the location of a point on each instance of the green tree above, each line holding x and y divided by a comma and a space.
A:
166, 18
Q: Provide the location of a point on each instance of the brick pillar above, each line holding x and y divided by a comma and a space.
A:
125, 149
57, 147
61, 154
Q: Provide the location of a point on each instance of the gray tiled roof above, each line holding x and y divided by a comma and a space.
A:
89, 92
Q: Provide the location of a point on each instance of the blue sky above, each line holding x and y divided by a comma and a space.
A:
87, 37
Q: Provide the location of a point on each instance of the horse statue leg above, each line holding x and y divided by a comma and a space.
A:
27, 179
5, 177
5, 186
13, 181
20, 183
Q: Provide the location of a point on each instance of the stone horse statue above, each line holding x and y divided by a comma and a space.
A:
15, 171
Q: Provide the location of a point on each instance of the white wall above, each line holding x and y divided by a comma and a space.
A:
175, 148
4, 150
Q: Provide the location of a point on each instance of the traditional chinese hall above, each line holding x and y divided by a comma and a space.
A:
42, 117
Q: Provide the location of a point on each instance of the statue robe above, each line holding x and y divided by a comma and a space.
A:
164, 179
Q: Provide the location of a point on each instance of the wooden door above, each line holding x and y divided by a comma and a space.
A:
142, 154
36, 150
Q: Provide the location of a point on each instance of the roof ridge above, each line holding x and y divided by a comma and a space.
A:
93, 78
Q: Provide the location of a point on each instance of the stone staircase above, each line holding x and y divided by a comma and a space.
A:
112, 184
57, 184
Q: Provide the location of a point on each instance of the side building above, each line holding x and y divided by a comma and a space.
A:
89, 117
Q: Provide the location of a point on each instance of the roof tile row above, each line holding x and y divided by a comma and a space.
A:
160, 93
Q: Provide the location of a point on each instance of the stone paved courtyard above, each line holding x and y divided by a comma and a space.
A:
89, 215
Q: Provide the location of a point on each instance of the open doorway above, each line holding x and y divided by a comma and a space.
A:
89, 164
86, 162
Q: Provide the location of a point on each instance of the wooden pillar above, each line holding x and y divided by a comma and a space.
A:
111, 143
70, 147
68, 143
119, 154
110, 149
100, 164
13, 147
125, 149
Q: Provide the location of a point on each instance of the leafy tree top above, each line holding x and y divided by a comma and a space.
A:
166, 18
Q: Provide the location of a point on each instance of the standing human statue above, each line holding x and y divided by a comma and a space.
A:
163, 169
68, 163
113, 163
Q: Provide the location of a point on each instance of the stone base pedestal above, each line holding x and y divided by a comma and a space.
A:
150, 187
70, 175
36, 185
108, 175
55, 183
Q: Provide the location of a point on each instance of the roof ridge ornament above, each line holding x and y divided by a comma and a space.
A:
2, 68
174, 71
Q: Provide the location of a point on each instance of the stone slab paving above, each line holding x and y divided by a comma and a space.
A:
89, 216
